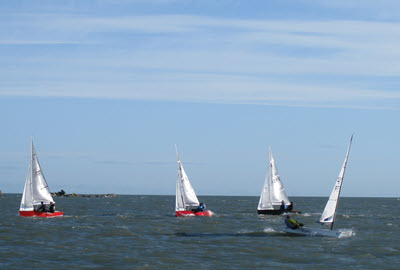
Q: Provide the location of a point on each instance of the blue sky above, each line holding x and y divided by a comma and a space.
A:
106, 88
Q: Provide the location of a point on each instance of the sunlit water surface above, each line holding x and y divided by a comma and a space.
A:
141, 232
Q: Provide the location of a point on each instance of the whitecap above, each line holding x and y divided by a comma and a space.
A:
243, 231
345, 233
214, 214
268, 230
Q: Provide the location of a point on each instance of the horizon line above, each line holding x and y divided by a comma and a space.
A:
292, 196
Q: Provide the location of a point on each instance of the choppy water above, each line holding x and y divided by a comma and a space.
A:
140, 232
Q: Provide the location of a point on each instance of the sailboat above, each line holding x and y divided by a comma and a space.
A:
329, 214
186, 201
273, 198
36, 191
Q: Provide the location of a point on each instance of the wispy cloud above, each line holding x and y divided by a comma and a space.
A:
132, 163
38, 42
208, 59
143, 163
9, 168
218, 89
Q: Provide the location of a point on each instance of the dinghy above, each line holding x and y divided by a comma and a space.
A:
186, 201
312, 232
329, 214
36, 191
273, 199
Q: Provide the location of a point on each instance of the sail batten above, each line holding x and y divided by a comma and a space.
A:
329, 213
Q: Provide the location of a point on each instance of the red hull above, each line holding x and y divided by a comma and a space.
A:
206, 213
40, 214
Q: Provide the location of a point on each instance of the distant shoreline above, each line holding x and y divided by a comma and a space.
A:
118, 195
85, 195
62, 193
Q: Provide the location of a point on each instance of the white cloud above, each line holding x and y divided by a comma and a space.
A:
205, 59
217, 89
37, 42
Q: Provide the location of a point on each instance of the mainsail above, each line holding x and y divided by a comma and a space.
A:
185, 195
329, 213
36, 189
278, 193
273, 192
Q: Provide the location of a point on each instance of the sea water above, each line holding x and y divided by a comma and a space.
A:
141, 232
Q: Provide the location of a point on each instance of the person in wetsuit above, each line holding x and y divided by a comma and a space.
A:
42, 208
291, 223
289, 207
283, 206
52, 207
200, 208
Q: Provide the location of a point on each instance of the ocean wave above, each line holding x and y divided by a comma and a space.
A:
83, 227
346, 233
269, 230
214, 214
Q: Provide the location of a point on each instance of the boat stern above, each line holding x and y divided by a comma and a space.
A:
40, 214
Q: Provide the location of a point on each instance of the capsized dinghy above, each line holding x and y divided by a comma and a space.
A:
312, 232
329, 214
186, 201
36, 191
273, 198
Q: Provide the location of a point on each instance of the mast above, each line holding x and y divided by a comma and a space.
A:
270, 176
26, 200
176, 150
265, 198
31, 167
179, 180
188, 195
340, 188
329, 214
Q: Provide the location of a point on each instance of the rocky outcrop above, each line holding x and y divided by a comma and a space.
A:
1, 193
62, 193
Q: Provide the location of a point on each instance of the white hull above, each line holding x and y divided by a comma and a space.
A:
313, 232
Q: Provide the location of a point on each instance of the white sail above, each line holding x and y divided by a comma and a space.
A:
36, 189
329, 213
278, 193
27, 200
273, 192
185, 195
265, 198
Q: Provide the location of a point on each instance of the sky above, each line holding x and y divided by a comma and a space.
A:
107, 88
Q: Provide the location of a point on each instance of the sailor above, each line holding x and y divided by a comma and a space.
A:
290, 207
283, 206
42, 208
52, 207
201, 207
291, 223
